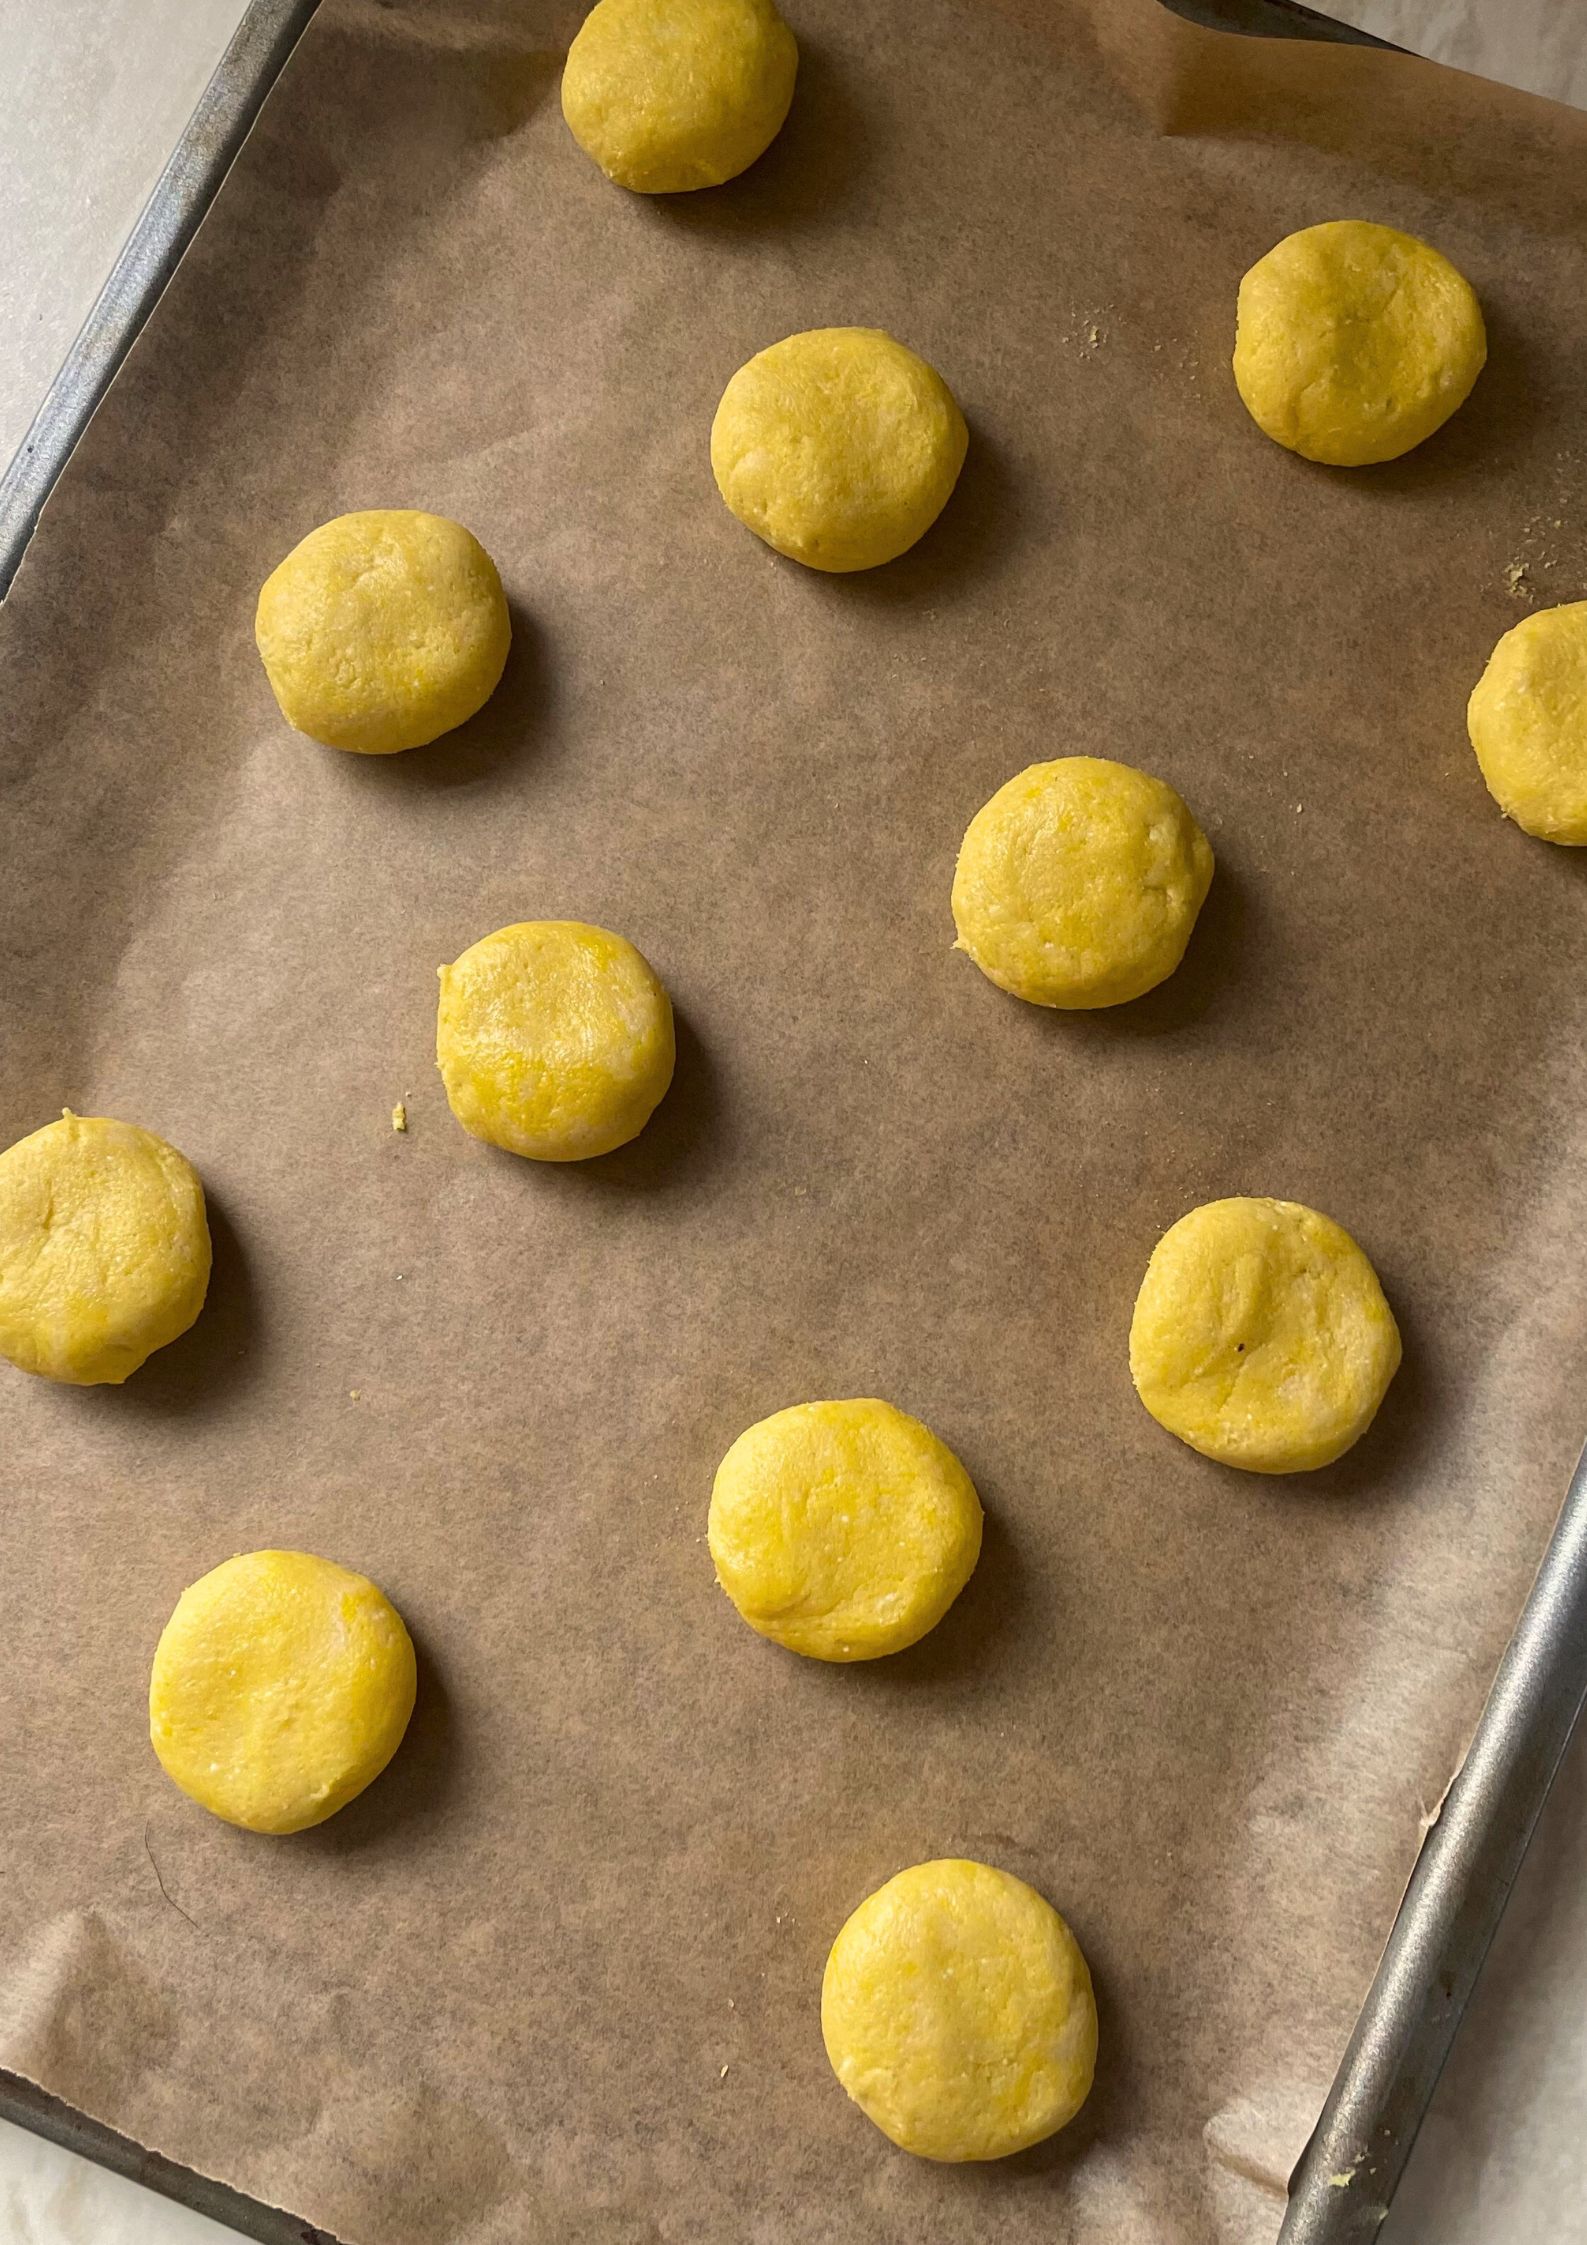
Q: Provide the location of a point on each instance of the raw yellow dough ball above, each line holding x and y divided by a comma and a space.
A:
838, 447
383, 630
1355, 342
282, 1685
1528, 724
668, 95
843, 1530
554, 1039
1079, 882
1261, 1336
958, 2014
104, 1249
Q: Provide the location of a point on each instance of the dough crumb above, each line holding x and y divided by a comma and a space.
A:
355, 1394
1086, 335
399, 1115
1550, 549
1343, 2179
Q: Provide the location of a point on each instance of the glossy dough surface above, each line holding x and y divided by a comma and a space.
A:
669, 95
1079, 882
383, 630
554, 1039
843, 1530
839, 447
281, 1687
104, 1249
1528, 724
1261, 1336
958, 2013
1355, 342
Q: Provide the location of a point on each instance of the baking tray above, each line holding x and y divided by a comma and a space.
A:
1346, 2177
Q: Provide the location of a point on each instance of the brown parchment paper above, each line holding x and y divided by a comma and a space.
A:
556, 1976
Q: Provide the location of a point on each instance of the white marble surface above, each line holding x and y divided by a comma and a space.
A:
96, 91
50, 2197
1539, 44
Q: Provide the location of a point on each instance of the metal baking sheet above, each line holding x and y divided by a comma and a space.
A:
1462, 1880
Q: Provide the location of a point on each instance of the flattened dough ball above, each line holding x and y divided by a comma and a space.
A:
1355, 342
1528, 724
843, 1530
554, 1040
282, 1685
1079, 882
104, 1249
958, 2013
383, 630
838, 447
1261, 1336
669, 95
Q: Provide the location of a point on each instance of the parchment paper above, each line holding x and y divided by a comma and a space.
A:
556, 1976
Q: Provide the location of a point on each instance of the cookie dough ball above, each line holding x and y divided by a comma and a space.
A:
838, 447
383, 630
1079, 882
957, 2012
843, 1530
668, 95
1261, 1336
104, 1249
1528, 724
554, 1039
1355, 342
282, 1685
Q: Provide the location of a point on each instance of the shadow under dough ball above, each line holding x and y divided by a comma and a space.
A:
672, 95
843, 1530
1079, 882
1355, 342
958, 2012
1528, 724
1261, 1336
383, 630
281, 1687
838, 447
104, 1249
554, 1039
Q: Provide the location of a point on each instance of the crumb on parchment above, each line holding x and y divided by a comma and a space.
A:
1086, 332
399, 1115
1550, 548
